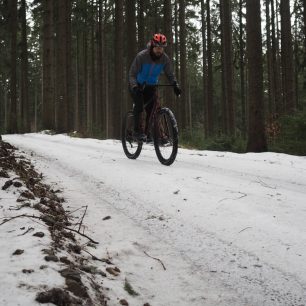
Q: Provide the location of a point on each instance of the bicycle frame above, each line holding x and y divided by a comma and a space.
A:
155, 108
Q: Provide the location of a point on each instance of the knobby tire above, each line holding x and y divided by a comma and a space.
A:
166, 130
131, 147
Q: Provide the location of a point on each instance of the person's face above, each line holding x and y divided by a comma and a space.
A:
158, 51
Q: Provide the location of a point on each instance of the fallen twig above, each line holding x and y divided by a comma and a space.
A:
244, 229
93, 257
155, 259
54, 223
82, 218
28, 230
12, 218
72, 212
243, 195
75, 231
265, 184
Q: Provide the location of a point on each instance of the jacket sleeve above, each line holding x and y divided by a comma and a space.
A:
134, 69
168, 69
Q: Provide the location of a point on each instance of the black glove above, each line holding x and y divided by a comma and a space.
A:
177, 89
137, 91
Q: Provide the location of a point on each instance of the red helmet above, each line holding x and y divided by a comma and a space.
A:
159, 40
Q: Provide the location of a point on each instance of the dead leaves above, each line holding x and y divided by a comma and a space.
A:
18, 252
113, 271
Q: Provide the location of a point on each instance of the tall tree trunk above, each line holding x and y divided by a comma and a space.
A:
287, 58
12, 124
277, 86
256, 131
2, 110
242, 70
107, 103
296, 56
100, 72
63, 55
227, 70
119, 75
77, 81
48, 116
210, 77
271, 95
183, 62
176, 35
167, 28
92, 76
131, 43
141, 23
70, 110
83, 103
155, 16
24, 70
304, 30
204, 68
130, 31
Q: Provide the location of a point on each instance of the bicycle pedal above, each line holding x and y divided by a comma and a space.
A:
140, 137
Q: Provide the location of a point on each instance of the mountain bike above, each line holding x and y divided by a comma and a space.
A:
161, 126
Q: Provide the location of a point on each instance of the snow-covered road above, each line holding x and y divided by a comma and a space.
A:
229, 229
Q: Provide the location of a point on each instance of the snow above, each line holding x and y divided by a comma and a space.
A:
229, 228
16, 287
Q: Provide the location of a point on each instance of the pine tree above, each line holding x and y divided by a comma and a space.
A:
25, 123
183, 113
48, 115
119, 75
227, 69
287, 58
256, 130
12, 111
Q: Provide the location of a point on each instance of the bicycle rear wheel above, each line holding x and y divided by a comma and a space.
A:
165, 136
131, 146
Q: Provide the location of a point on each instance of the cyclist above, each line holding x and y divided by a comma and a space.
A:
145, 70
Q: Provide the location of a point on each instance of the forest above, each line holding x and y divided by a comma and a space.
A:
241, 66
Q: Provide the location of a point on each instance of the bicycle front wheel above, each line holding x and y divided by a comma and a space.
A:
165, 136
131, 146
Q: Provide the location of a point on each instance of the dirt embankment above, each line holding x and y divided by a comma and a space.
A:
69, 248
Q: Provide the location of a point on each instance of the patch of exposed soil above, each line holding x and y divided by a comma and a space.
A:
81, 287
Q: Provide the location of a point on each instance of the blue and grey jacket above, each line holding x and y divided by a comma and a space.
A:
145, 70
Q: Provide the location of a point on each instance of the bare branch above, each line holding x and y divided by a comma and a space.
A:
30, 229
155, 259
54, 223
265, 184
82, 218
244, 229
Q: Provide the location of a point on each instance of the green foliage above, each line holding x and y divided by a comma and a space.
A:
288, 137
129, 289
95, 132
226, 143
291, 138
294, 126
197, 140
48, 132
98, 132
76, 134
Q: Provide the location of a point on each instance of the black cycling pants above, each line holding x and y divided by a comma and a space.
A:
141, 99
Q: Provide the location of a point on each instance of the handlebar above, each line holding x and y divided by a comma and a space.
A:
144, 85
163, 85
